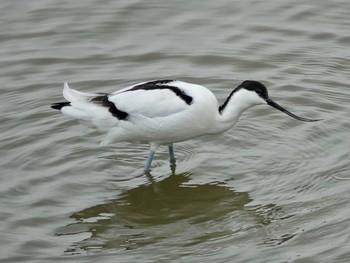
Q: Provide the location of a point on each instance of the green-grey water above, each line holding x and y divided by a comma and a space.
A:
272, 189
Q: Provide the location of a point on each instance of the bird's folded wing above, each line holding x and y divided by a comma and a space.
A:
149, 103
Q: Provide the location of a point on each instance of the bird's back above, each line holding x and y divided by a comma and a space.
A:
163, 110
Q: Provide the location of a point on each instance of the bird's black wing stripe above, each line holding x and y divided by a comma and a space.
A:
60, 105
152, 83
161, 84
103, 100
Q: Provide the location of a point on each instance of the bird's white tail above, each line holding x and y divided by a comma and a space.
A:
84, 106
75, 96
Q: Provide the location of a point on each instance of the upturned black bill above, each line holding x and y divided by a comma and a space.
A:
275, 105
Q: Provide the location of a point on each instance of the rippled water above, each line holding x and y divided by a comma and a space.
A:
271, 190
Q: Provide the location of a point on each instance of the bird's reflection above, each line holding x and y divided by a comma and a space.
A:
169, 209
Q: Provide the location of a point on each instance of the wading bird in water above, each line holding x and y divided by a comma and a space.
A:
163, 112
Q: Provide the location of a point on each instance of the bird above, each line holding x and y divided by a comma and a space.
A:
164, 112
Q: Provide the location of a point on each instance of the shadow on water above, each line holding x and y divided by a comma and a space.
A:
171, 211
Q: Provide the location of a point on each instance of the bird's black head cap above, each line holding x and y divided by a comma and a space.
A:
256, 86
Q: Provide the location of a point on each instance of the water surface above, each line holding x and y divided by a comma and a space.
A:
272, 189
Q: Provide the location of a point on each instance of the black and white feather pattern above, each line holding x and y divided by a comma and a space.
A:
127, 113
164, 111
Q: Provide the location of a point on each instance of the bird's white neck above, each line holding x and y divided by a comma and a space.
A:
232, 109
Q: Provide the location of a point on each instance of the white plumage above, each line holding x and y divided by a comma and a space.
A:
163, 112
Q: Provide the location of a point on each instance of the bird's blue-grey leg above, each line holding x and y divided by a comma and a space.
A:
172, 153
153, 149
149, 160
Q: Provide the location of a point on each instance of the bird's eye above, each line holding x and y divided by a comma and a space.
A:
259, 91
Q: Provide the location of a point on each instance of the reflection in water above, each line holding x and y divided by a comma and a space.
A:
169, 211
